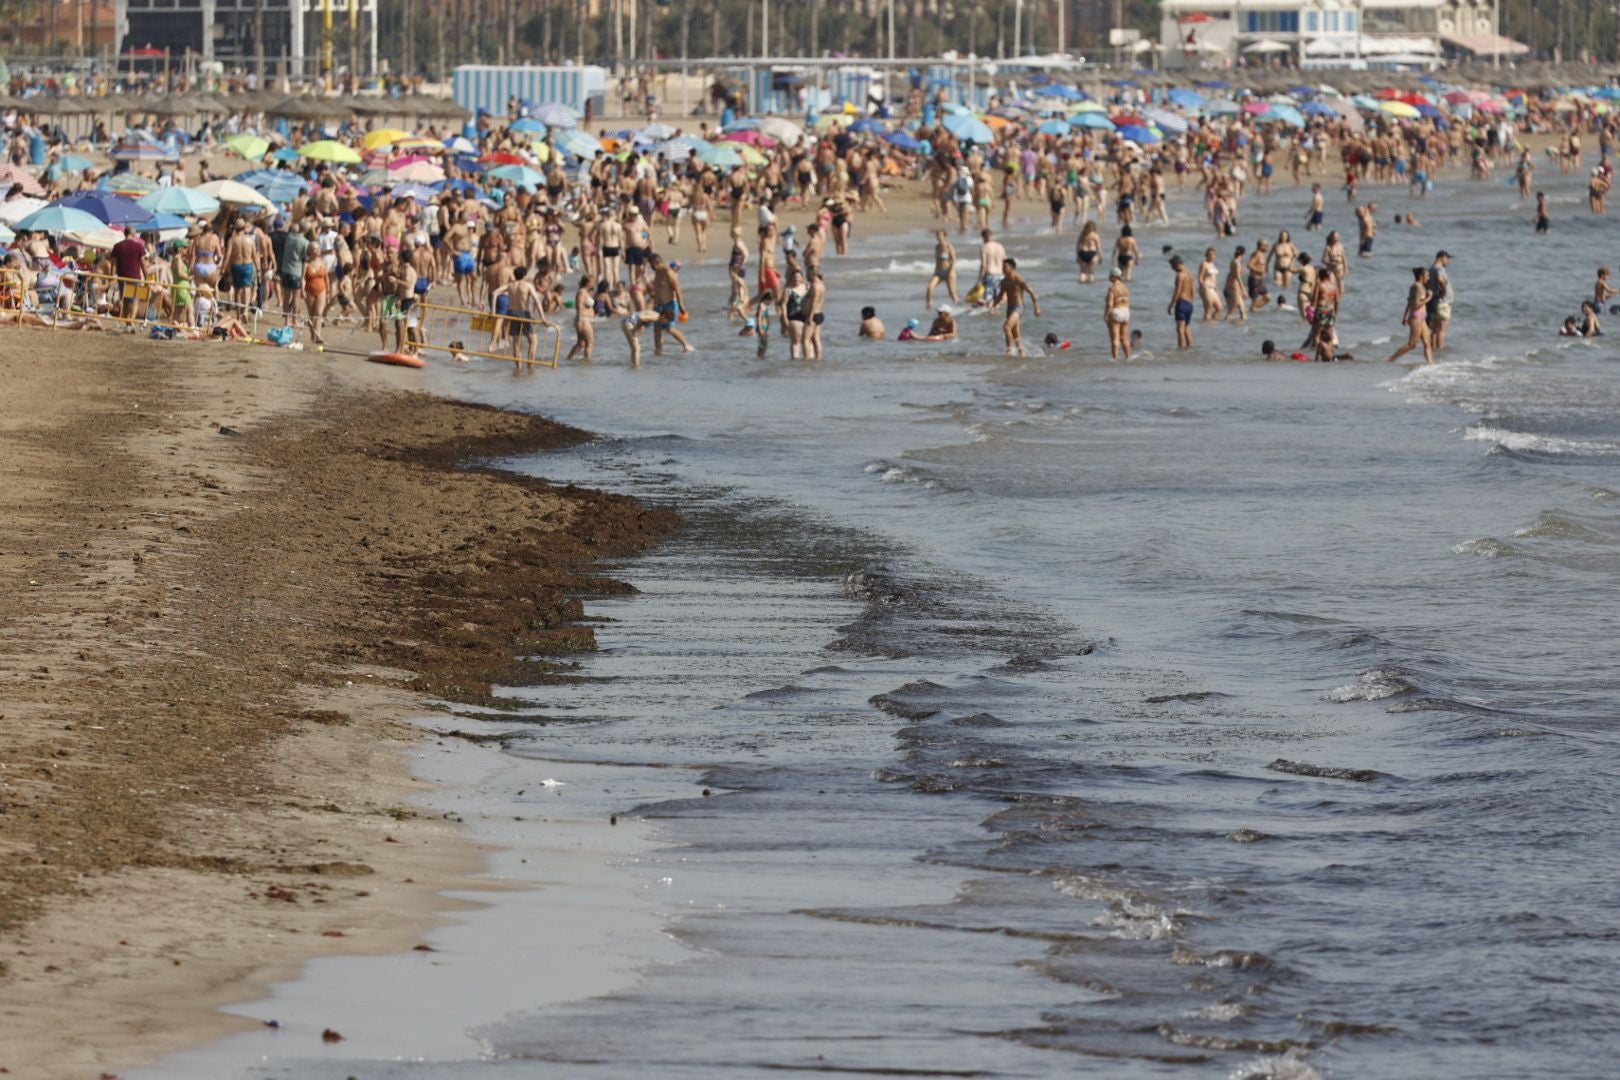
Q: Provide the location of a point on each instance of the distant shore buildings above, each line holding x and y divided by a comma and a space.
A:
1330, 33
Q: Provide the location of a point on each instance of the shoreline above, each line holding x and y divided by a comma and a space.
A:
210, 647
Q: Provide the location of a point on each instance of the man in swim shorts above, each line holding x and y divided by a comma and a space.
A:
242, 259
1013, 290
1181, 302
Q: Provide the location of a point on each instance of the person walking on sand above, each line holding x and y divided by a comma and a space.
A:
1181, 302
1012, 290
1416, 318
944, 269
1117, 316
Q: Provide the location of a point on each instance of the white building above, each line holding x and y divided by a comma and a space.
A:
224, 29
1329, 33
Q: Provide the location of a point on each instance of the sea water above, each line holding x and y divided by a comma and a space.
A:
1196, 716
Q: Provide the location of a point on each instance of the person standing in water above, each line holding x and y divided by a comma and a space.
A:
1209, 286
1543, 220
1181, 302
1013, 290
1313, 216
1439, 299
944, 269
1415, 317
1117, 315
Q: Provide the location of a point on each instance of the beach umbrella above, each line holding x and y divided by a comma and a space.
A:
1187, 99
383, 137
1215, 84
167, 226
286, 155
330, 150
107, 207
743, 123
1136, 133
127, 184
690, 143
1285, 114
19, 208
460, 144
580, 144
420, 144
1054, 127
233, 193
904, 141
526, 125
867, 126
520, 175
751, 156
13, 174
425, 172
6, 235
541, 151
187, 202
1430, 112
658, 132
1089, 106
1091, 120
1317, 108
420, 192
828, 121
969, 129
782, 129
502, 158
722, 156
748, 138
1165, 120
101, 238
1121, 119
1222, 107
250, 147
55, 219
75, 163
556, 115
1400, 110
1362, 101
1256, 108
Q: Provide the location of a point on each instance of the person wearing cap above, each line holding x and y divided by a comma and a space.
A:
1182, 293
944, 326
1439, 309
1117, 315
871, 326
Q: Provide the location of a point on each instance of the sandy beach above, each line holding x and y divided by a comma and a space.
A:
210, 641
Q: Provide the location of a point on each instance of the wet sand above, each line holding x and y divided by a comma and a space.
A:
226, 574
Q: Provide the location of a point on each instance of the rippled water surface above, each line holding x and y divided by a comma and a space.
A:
1193, 717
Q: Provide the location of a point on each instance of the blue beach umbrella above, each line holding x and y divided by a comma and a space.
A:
55, 219
1215, 84
1165, 120
107, 208
720, 157
969, 129
162, 223
1316, 108
1136, 133
904, 141
556, 115
1285, 114
1054, 127
1429, 111
527, 124
866, 125
743, 123
1362, 101
286, 153
521, 175
1187, 99
420, 192
580, 144
1067, 93
187, 202
74, 163
1096, 120
1222, 107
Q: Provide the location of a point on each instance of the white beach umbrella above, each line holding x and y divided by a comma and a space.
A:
781, 129
19, 208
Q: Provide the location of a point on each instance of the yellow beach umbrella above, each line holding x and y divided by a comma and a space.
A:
541, 151
1399, 109
828, 121
329, 150
251, 147
749, 154
418, 144
383, 137
1088, 106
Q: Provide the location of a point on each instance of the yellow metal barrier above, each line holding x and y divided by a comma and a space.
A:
463, 332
